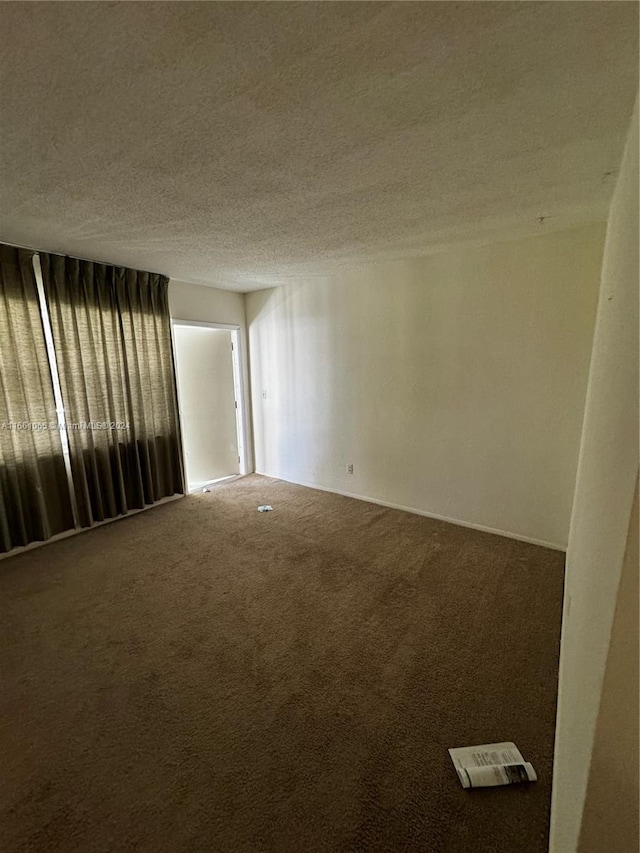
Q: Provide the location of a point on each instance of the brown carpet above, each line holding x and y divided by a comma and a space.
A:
204, 677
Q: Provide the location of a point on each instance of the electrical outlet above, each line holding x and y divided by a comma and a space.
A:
350, 468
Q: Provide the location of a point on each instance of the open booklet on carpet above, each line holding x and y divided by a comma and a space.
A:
491, 764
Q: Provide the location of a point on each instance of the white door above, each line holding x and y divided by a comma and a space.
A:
207, 401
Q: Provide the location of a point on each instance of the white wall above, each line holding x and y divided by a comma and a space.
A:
611, 819
213, 305
455, 383
604, 491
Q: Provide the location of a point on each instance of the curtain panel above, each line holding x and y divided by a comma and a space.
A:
112, 336
34, 490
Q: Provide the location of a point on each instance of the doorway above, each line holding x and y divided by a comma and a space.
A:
209, 381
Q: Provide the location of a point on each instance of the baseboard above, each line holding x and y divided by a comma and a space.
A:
199, 489
470, 524
77, 530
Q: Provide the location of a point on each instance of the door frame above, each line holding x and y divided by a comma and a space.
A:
238, 387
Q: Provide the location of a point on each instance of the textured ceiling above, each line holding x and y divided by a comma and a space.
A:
243, 144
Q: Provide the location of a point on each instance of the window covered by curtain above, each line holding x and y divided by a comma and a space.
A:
112, 337
34, 491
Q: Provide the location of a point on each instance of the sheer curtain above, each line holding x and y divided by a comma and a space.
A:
34, 491
112, 336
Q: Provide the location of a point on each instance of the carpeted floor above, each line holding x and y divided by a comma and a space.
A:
204, 677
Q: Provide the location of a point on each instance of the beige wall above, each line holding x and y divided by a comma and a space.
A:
454, 383
212, 305
610, 819
607, 473
205, 304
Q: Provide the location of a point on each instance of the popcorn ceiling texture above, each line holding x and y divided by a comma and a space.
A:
243, 144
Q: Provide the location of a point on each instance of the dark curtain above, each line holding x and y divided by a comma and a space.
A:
34, 490
112, 337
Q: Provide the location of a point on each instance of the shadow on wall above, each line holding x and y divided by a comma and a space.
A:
286, 332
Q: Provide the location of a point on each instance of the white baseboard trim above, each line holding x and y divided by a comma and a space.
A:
481, 527
76, 530
199, 489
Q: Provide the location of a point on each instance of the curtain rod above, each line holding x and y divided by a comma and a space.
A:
76, 257
37, 251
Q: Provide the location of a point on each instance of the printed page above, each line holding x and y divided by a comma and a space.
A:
486, 754
491, 764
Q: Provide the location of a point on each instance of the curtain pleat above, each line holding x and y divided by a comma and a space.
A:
34, 490
112, 337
